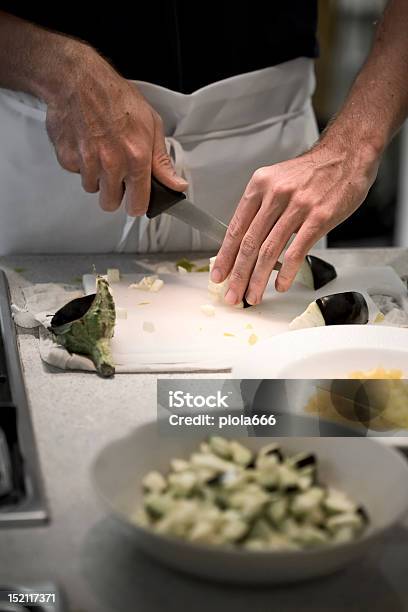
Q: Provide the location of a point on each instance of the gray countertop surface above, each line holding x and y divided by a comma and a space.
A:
74, 416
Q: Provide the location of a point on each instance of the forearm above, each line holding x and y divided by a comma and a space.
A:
377, 104
35, 60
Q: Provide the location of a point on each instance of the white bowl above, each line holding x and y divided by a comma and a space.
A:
326, 352
374, 475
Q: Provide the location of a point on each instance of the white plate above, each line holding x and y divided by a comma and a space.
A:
120, 467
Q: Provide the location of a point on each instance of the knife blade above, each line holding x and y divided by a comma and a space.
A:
174, 203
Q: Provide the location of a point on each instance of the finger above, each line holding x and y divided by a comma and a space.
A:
68, 158
111, 192
246, 210
259, 229
268, 256
162, 166
137, 192
306, 237
90, 170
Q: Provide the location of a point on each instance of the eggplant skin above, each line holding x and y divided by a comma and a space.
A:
348, 308
322, 271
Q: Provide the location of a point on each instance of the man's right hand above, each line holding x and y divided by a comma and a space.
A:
102, 127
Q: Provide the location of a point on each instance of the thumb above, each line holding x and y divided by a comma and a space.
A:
162, 166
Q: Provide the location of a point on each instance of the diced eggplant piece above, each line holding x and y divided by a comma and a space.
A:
154, 482
310, 536
288, 479
347, 519
338, 502
113, 275
315, 272
220, 446
179, 465
261, 530
277, 510
234, 528
203, 531
343, 535
183, 483
218, 290
255, 545
271, 449
303, 503
240, 454
157, 505
203, 460
303, 460
268, 479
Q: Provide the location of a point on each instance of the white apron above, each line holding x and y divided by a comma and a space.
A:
218, 136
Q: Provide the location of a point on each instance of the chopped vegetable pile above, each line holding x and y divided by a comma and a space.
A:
148, 283
224, 494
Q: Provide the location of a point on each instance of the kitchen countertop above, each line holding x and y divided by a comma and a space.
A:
74, 415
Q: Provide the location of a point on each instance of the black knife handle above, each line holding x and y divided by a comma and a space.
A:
162, 198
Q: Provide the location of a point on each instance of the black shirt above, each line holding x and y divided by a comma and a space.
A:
185, 44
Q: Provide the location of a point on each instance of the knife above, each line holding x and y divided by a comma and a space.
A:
174, 203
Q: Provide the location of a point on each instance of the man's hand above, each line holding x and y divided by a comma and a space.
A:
100, 125
311, 194
308, 195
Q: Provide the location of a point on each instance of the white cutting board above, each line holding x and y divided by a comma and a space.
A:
185, 339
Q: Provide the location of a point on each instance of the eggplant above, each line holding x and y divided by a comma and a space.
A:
348, 308
86, 326
315, 272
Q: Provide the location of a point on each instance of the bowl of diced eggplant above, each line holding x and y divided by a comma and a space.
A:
252, 510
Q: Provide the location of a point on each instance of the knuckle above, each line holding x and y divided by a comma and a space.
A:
293, 257
260, 176
162, 159
237, 277
88, 157
301, 203
249, 246
110, 160
68, 160
268, 251
320, 217
234, 228
138, 156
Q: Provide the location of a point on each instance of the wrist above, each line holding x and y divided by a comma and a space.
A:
58, 76
362, 150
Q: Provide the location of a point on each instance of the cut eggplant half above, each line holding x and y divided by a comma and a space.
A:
315, 272
348, 308
86, 325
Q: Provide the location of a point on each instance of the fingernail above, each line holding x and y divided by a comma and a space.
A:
231, 297
251, 298
279, 286
180, 180
216, 275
